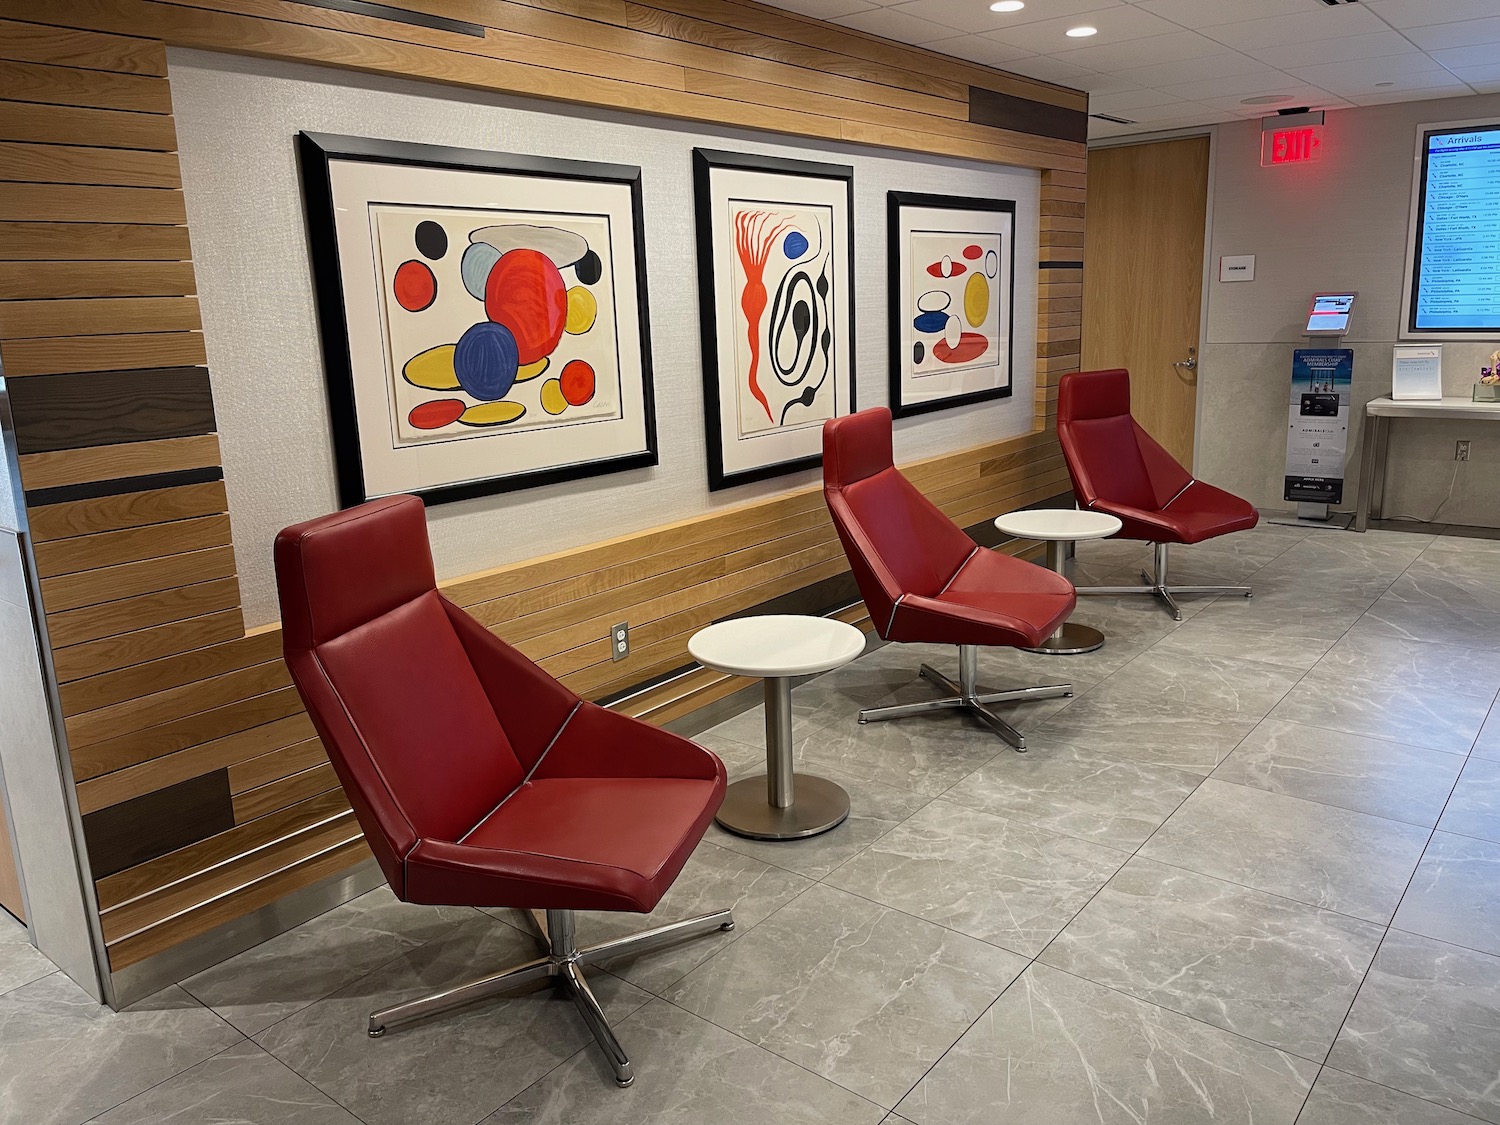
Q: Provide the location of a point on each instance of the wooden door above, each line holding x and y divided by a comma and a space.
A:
10, 877
1143, 278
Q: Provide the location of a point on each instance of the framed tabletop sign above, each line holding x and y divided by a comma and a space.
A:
483, 317
776, 306
952, 286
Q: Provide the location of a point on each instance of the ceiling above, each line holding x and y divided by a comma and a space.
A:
1167, 64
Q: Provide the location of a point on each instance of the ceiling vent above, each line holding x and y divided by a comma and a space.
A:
1112, 117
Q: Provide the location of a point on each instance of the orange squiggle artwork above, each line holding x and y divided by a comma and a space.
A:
753, 242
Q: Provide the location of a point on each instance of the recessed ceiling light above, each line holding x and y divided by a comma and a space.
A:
1081, 32
1266, 99
1007, 6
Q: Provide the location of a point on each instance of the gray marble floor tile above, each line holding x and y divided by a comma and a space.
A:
64, 1058
922, 753
715, 878
859, 993
454, 1068
1187, 711
20, 961
1487, 745
1369, 775
1474, 808
827, 700
240, 1086
1078, 793
1342, 1099
1340, 860
1272, 970
1059, 1050
991, 878
1283, 624
1431, 695
874, 809
1455, 894
276, 978
1425, 1022
1426, 612
688, 1072
737, 754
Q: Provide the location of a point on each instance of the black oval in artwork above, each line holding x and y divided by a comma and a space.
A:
589, 268
431, 239
917, 352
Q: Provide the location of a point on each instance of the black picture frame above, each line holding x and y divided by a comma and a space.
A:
316, 154
896, 270
705, 163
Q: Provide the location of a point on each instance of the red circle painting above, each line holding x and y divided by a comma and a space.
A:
577, 383
414, 285
526, 293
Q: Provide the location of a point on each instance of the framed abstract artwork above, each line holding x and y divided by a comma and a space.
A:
952, 285
483, 317
776, 307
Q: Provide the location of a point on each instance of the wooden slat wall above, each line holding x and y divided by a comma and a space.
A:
168, 701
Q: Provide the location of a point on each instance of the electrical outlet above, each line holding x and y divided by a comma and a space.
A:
619, 641
1461, 451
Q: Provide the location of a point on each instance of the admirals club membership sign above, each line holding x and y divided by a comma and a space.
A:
1318, 424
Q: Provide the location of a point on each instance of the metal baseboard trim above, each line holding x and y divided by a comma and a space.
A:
223, 942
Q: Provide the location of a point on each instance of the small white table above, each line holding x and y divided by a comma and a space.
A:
1378, 415
781, 804
1058, 527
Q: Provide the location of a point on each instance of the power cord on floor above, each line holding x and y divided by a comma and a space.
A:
1452, 484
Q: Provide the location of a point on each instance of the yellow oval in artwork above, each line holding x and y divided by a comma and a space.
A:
532, 370
492, 413
582, 310
432, 369
552, 397
976, 299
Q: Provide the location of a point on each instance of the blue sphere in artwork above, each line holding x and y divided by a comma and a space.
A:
479, 258
485, 361
930, 321
795, 245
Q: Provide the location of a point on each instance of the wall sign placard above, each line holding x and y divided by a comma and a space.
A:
1318, 424
952, 281
776, 309
483, 317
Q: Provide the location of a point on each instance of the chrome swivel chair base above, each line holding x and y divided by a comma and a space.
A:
1156, 585
562, 964
965, 696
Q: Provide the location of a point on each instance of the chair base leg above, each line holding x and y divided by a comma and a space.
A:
562, 965
1157, 586
964, 697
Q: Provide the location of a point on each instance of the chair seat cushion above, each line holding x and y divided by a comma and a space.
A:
1200, 512
573, 843
994, 599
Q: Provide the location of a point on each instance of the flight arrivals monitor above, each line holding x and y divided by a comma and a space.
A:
1329, 314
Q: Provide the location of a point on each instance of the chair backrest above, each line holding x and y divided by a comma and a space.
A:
897, 540
1110, 457
387, 680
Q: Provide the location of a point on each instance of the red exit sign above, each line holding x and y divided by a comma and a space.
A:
1301, 145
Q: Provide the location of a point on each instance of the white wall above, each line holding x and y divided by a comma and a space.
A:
1340, 223
236, 120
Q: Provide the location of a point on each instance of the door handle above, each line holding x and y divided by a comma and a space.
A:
1189, 364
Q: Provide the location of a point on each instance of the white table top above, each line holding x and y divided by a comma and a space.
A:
1058, 523
1450, 407
779, 644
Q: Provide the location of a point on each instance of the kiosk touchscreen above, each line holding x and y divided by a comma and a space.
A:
1329, 315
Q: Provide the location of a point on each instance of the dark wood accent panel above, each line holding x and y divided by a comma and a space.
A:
111, 407
135, 831
1023, 115
90, 490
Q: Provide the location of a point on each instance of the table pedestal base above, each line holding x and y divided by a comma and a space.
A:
1070, 640
820, 805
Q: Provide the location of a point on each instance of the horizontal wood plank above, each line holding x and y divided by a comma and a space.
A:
98, 317
95, 89
127, 510
108, 462
54, 355
88, 642
50, 249
128, 580
276, 765
286, 791
72, 164
105, 128
110, 548
87, 50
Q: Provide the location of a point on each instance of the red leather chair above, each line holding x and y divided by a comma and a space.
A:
1119, 468
479, 780
924, 580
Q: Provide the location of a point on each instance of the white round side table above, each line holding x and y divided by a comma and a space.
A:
781, 804
1058, 527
